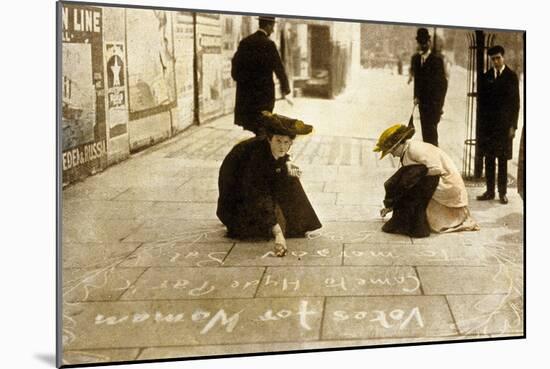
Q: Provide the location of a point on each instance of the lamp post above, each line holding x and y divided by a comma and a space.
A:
480, 61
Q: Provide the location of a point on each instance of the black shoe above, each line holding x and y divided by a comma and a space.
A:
486, 196
503, 199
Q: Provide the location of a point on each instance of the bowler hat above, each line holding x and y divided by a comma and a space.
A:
422, 35
266, 18
392, 137
285, 126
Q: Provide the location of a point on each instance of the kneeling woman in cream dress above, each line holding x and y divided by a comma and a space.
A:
427, 192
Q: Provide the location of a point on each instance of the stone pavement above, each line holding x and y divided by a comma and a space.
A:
148, 272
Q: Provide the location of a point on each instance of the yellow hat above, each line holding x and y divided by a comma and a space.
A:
392, 137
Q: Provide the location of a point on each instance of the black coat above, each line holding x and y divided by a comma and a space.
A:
430, 81
256, 192
498, 112
408, 193
252, 67
521, 165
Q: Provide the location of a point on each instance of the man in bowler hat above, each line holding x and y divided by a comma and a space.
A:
498, 121
252, 68
430, 86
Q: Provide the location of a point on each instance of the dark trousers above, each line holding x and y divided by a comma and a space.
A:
429, 118
502, 174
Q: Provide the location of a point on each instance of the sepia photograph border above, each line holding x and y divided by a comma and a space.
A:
60, 184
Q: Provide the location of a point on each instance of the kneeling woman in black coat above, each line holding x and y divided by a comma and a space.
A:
260, 194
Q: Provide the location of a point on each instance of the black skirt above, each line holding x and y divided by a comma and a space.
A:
256, 193
408, 193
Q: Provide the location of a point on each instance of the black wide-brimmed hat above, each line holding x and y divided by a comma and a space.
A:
280, 125
422, 35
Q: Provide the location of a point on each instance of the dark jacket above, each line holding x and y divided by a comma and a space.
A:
430, 82
521, 165
256, 192
498, 112
252, 67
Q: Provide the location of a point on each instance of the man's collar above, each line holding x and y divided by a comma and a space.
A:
426, 54
263, 31
500, 70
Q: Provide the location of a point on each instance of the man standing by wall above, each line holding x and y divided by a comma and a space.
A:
252, 68
498, 120
430, 86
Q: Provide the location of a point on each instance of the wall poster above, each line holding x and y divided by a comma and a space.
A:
83, 107
151, 75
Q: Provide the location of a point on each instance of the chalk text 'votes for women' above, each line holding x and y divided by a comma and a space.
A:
394, 319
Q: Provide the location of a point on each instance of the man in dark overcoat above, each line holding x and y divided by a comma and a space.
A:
498, 120
430, 86
252, 68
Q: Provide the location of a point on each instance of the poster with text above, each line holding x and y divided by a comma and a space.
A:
150, 61
82, 91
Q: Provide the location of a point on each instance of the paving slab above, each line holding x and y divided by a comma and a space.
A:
197, 172
511, 255
173, 254
488, 314
99, 356
300, 252
357, 187
87, 191
451, 280
509, 335
152, 161
452, 239
98, 230
210, 350
347, 213
318, 173
348, 232
493, 208
338, 281
356, 172
182, 163
156, 176
204, 183
195, 283
493, 236
149, 161
84, 210
168, 194
373, 198
104, 284
183, 211
324, 198
180, 230
312, 186
190, 322
94, 254
392, 316
378, 237
415, 255
493, 213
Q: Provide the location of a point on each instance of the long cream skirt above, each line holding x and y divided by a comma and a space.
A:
443, 219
